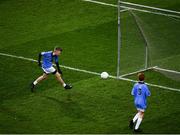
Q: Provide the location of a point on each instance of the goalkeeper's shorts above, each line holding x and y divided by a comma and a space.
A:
50, 70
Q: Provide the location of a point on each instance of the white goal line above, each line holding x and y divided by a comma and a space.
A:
155, 68
91, 72
137, 9
101, 3
142, 70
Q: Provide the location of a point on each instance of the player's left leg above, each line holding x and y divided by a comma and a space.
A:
132, 122
59, 78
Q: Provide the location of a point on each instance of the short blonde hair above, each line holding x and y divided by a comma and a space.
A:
57, 49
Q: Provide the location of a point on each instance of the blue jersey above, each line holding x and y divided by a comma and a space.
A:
140, 92
48, 59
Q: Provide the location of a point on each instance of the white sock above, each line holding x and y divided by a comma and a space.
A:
135, 117
138, 123
64, 85
35, 82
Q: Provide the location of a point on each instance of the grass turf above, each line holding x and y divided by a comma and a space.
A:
90, 107
88, 34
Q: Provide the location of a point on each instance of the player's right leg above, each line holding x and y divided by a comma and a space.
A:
39, 79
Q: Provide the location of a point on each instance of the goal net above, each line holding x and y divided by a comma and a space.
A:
149, 40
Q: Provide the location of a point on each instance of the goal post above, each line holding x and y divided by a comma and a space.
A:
142, 34
147, 39
119, 40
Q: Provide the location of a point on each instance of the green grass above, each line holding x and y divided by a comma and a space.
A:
93, 106
88, 35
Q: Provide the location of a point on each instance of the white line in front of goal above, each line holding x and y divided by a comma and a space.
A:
124, 10
131, 8
101, 3
142, 70
66, 67
91, 72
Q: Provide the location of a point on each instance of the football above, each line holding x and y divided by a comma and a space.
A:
104, 75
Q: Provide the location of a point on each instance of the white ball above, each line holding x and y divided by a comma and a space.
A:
104, 75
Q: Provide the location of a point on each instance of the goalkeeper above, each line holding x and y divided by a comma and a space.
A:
47, 66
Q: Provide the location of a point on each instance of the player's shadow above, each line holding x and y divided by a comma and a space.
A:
70, 108
13, 114
160, 124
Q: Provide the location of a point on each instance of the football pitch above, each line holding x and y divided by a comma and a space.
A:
87, 32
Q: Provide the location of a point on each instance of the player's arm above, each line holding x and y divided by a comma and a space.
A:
148, 93
133, 90
39, 59
58, 68
57, 65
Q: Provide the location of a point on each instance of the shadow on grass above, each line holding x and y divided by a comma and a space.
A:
12, 114
70, 108
168, 124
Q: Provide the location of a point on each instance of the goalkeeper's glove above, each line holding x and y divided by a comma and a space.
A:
39, 64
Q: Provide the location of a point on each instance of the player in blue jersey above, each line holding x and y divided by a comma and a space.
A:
140, 92
47, 66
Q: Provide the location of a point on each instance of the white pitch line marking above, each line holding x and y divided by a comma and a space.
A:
124, 10
101, 3
136, 9
142, 70
66, 67
91, 72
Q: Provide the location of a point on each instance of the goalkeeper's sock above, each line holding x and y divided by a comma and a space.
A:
64, 85
135, 117
35, 82
138, 123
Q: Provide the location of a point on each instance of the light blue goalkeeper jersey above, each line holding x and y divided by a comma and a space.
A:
140, 92
48, 59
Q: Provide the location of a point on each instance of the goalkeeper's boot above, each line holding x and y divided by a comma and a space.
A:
68, 86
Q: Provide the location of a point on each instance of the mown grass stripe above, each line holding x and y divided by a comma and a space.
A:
91, 72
